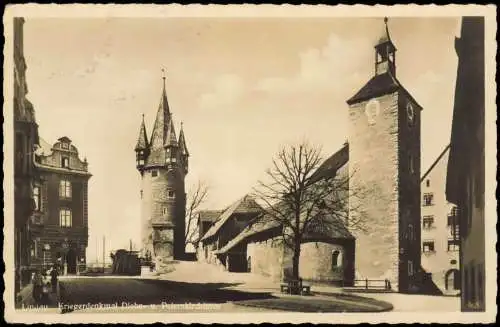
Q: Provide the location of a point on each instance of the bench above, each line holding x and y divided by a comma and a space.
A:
291, 285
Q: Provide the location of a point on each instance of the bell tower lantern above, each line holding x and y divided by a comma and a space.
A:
385, 54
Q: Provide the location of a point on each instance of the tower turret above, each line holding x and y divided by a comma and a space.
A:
183, 150
142, 147
171, 146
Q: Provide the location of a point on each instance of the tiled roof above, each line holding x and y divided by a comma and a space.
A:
171, 138
435, 162
142, 141
44, 149
244, 205
331, 165
209, 215
260, 225
182, 142
377, 86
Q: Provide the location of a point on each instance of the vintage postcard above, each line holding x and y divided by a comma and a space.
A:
242, 163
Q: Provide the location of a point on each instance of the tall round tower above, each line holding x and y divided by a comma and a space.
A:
163, 165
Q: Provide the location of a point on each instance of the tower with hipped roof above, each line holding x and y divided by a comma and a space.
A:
384, 167
162, 162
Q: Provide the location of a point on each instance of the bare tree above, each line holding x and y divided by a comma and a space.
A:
302, 199
196, 197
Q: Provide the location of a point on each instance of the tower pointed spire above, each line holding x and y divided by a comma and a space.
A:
182, 142
142, 140
171, 139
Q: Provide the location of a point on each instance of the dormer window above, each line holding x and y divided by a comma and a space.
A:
65, 162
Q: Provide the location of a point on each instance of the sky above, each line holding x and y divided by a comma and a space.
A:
243, 88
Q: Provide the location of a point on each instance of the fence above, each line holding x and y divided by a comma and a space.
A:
383, 284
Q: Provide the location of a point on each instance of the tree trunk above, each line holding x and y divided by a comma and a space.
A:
295, 261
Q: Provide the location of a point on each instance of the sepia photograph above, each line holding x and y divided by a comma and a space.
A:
306, 163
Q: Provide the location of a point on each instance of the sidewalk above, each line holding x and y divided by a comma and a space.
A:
25, 301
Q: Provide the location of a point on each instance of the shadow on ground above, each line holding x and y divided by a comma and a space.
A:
107, 291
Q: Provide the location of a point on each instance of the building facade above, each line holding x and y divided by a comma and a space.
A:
466, 167
384, 165
440, 229
59, 225
162, 162
231, 222
256, 244
25, 140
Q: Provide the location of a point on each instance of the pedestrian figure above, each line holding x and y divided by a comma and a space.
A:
37, 286
53, 278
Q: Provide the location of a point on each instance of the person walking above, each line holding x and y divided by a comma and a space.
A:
37, 286
54, 274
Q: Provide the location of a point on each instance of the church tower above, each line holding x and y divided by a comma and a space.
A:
384, 168
163, 164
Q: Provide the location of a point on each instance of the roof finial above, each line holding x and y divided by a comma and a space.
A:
163, 77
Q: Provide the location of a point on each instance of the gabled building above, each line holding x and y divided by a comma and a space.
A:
206, 219
59, 225
162, 161
440, 229
228, 225
465, 182
327, 250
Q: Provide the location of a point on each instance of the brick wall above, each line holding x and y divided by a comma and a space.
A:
373, 169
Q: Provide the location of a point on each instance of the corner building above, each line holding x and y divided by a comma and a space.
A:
162, 162
384, 168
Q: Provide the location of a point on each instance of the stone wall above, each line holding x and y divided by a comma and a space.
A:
266, 258
163, 201
373, 170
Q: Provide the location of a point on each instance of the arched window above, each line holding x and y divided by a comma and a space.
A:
452, 279
336, 259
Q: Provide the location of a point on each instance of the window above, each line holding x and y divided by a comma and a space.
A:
411, 235
455, 232
37, 198
141, 194
428, 199
454, 211
65, 162
164, 211
65, 145
65, 218
453, 245
171, 194
410, 268
65, 189
428, 183
428, 247
335, 259
428, 222
154, 173
411, 165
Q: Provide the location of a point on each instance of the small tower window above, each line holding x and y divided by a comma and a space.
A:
154, 173
164, 211
411, 165
171, 194
428, 183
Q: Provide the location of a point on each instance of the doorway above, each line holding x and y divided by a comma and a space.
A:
71, 261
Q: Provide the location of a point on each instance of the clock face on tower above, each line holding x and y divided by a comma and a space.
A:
372, 110
410, 112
